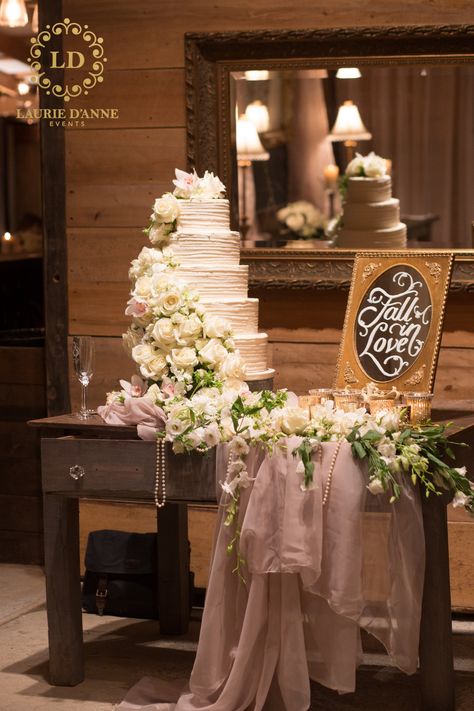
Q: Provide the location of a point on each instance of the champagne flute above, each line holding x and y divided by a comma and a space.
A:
83, 359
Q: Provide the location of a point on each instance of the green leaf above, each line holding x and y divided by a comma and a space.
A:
358, 448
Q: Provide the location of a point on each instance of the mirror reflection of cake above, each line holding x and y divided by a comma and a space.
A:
371, 216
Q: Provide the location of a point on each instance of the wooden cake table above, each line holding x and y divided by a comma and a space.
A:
90, 459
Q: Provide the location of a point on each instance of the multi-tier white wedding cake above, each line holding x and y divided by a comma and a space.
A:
371, 216
207, 255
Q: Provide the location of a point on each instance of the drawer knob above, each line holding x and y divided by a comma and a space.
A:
76, 472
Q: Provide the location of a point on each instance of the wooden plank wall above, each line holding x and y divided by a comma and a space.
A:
22, 397
115, 170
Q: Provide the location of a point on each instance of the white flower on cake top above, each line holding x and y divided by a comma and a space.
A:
370, 166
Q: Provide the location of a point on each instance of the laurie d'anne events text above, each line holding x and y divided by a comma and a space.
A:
67, 118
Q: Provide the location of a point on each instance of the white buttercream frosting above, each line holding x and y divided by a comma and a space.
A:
208, 255
371, 217
369, 189
242, 313
216, 283
203, 216
391, 238
201, 249
253, 351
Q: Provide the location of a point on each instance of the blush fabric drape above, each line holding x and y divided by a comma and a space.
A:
314, 576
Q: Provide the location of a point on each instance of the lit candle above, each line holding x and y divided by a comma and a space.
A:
388, 166
420, 406
331, 174
7, 243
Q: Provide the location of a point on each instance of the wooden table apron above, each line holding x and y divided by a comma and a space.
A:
119, 466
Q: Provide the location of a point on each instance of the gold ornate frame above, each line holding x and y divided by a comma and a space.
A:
435, 268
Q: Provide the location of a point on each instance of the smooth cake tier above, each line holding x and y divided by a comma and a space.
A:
203, 216
368, 189
391, 238
217, 283
372, 215
199, 249
242, 314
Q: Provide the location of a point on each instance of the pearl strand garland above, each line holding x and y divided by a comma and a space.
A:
160, 474
327, 488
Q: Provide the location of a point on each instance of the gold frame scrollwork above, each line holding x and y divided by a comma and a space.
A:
436, 268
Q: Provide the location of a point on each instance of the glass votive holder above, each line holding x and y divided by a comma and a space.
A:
348, 400
420, 406
379, 403
321, 395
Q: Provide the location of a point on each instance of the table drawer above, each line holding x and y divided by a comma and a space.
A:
124, 468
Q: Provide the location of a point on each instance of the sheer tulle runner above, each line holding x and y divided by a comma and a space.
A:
314, 576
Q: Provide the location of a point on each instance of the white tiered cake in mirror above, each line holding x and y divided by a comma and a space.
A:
371, 216
208, 256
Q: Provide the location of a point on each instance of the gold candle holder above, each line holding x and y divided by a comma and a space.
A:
420, 406
379, 403
321, 395
348, 400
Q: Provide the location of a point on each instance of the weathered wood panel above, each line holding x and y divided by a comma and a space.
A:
153, 37
461, 557
144, 99
20, 513
125, 468
115, 175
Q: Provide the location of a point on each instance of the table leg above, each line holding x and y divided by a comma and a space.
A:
63, 590
173, 568
436, 645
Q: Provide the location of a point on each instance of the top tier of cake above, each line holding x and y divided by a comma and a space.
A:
203, 216
368, 190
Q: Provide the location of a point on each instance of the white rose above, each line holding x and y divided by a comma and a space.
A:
189, 329
295, 222
184, 358
169, 302
356, 166
166, 208
159, 233
142, 353
375, 486
228, 430
232, 366
155, 368
236, 467
213, 352
375, 166
216, 327
163, 333
293, 420
143, 288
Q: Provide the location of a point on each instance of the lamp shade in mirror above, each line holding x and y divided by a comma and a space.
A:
257, 74
249, 146
348, 73
349, 125
257, 112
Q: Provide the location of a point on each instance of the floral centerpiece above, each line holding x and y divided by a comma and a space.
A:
303, 221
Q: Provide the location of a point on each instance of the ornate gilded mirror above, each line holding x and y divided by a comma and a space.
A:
408, 77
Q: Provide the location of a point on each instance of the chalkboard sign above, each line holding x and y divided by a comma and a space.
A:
394, 320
